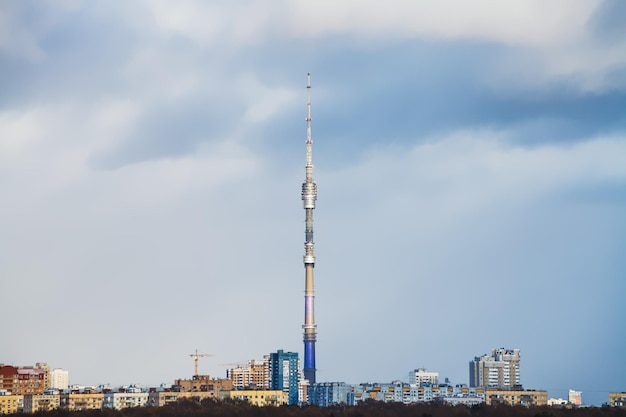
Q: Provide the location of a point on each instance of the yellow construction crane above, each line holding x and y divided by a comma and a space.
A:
195, 357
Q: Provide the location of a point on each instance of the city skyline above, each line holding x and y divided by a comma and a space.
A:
281, 371
471, 159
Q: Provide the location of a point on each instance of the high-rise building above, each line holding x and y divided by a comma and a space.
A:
498, 370
422, 376
309, 195
575, 397
252, 375
284, 373
59, 379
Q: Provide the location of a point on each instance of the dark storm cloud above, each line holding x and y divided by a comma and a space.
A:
414, 89
423, 93
409, 91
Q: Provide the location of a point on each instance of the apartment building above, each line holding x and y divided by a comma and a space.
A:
261, 398
501, 369
22, 381
527, 398
254, 374
9, 403
41, 402
617, 399
78, 401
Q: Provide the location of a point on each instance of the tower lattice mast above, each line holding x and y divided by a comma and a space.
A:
309, 195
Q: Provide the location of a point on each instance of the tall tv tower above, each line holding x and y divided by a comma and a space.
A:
309, 195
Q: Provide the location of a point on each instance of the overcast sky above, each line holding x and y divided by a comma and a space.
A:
470, 158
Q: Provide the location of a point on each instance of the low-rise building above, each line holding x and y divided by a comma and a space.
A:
324, 394
557, 402
41, 402
261, 398
125, 399
203, 383
9, 403
527, 398
78, 401
161, 398
411, 393
617, 399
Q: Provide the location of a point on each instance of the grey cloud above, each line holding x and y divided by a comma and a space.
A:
607, 22
172, 129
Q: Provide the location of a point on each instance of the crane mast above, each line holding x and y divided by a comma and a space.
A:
195, 357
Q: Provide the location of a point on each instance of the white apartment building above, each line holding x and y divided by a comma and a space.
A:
121, 400
421, 375
575, 397
59, 379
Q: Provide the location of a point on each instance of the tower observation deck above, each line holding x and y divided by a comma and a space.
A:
309, 196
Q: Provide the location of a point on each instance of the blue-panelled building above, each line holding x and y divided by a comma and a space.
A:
284, 373
324, 394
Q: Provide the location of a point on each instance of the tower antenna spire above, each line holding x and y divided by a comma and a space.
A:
309, 196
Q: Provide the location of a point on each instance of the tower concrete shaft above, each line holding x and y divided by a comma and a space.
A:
309, 196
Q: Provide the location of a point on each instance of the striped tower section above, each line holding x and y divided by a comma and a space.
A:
309, 195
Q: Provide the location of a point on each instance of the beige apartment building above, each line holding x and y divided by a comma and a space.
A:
11, 404
617, 399
78, 401
261, 398
527, 398
161, 398
203, 383
255, 373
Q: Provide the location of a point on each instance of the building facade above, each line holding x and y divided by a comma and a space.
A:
59, 379
501, 369
162, 398
421, 375
78, 401
617, 399
526, 398
324, 394
125, 399
203, 383
34, 403
261, 398
255, 374
284, 373
575, 397
402, 392
22, 381
9, 403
